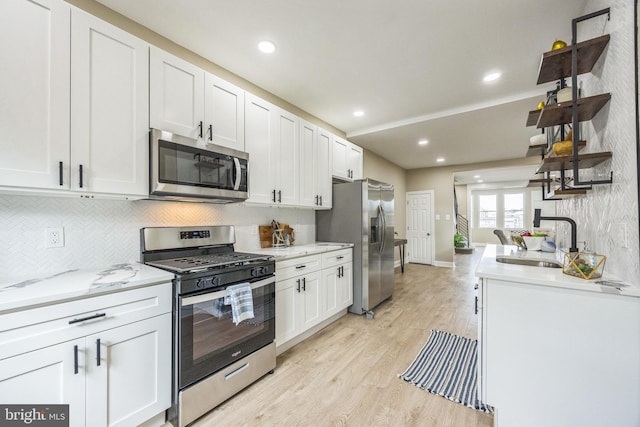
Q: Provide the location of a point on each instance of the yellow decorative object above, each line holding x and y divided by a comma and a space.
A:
558, 44
563, 148
540, 105
569, 135
583, 265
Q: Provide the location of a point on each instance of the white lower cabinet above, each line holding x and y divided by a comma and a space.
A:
309, 291
116, 371
298, 304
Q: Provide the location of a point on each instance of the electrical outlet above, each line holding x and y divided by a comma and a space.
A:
54, 237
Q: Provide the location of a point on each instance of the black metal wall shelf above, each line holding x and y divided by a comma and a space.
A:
556, 64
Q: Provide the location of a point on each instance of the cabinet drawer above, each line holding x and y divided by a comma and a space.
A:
333, 258
297, 266
35, 328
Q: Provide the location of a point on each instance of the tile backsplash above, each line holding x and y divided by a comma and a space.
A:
104, 232
608, 214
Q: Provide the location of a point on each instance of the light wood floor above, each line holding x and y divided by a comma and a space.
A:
346, 375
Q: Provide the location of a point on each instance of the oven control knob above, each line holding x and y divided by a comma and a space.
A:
215, 281
201, 283
258, 271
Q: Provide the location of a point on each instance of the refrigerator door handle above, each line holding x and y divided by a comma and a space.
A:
383, 227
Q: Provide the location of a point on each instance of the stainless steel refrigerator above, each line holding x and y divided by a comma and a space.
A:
362, 214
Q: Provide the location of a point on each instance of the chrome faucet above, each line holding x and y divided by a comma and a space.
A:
536, 224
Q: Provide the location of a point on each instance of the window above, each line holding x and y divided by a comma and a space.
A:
514, 210
487, 211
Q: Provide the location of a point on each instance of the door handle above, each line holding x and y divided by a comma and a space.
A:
75, 359
200, 126
80, 170
304, 284
60, 172
210, 132
274, 195
279, 196
298, 287
98, 352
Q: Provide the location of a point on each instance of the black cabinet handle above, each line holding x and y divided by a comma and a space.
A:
98, 352
279, 196
200, 126
274, 195
82, 319
81, 173
298, 267
304, 283
476, 308
210, 132
60, 171
75, 359
320, 200
298, 287
317, 199
340, 257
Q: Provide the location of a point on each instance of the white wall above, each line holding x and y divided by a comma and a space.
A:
105, 232
608, 209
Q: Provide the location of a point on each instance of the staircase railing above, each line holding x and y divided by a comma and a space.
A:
462, 227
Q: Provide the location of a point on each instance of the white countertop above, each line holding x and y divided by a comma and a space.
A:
489, 268
24, 292
296, 251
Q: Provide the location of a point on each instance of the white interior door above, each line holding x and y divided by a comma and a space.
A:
420, 236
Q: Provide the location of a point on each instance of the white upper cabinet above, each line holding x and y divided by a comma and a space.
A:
109, 108
315, 170
308, 144
177, 95
191, 102
322, 169
347, 159
224, 113
271, 137
34, 82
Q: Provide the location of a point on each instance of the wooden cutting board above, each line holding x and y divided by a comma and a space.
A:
266, 234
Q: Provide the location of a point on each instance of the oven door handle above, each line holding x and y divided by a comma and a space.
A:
221, 294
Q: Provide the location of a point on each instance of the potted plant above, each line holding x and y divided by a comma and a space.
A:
459, 240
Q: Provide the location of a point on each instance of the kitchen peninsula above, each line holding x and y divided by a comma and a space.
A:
553, 349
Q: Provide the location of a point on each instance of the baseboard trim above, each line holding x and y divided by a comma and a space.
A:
444, 264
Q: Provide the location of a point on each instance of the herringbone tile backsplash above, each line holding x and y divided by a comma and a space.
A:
104, 232
607, 210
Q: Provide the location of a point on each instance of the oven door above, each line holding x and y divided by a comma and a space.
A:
208, 338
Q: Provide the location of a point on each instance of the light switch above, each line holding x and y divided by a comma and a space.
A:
447, 217
437, 217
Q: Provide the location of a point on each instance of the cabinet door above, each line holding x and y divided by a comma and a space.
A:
345, 286
355, 161
287, 310
109, 108
322, 167
224, 113
263, 152
308, 142
34, 82
311, 302
330, 290
339, 153
47, 376
129, 373
288, 160
176, 97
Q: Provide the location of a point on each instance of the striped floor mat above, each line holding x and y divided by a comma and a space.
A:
447, 366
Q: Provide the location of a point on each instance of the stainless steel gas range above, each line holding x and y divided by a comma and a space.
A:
213, 357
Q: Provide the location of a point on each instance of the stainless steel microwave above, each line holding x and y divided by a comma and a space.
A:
181, 169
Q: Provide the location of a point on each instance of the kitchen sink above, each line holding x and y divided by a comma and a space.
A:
529, 262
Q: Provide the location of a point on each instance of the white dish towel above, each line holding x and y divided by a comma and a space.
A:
241, 299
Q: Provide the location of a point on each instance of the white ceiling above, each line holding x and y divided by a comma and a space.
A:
414, 67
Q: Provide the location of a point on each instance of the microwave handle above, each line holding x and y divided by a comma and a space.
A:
236, 184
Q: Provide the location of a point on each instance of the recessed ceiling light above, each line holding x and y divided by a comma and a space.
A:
423, 142
476, 176
358, 113
480, 181
492, 77
440, 159
267, 46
